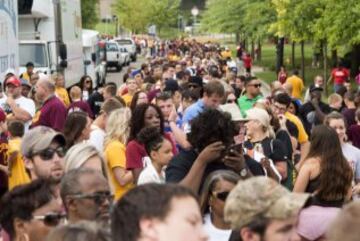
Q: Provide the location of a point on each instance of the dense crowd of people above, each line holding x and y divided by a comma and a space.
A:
189, 147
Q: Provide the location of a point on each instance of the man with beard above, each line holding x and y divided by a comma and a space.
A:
43, 151
86, 196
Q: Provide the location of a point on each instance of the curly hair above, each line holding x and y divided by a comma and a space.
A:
138, 119
335, 172
211, 126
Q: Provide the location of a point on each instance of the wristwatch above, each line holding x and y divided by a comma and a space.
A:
243, 172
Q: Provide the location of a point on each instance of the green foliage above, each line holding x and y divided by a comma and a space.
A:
89, 14
138, 15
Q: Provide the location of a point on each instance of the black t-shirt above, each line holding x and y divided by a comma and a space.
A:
272, 148
181, 164
95, 101
305, 112
284, 137
292, 129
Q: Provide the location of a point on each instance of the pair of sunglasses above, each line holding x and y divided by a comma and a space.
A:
221, 195
98, 197
48, 153
50, 219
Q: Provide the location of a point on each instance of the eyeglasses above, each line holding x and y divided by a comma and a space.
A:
51, 219
256, 85
221, 195
48, 153
280, 108
98, 197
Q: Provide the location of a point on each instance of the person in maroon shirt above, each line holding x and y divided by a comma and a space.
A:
77, 104
144, 115
52, 112
354, 131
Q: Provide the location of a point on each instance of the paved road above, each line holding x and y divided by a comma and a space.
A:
117, 77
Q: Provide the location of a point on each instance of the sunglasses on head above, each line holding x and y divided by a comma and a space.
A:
98, 197
48, 153
221, 195
50, 219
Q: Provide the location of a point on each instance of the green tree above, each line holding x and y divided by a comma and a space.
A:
137, 16
89, 14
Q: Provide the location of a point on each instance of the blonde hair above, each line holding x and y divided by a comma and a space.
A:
78, 154
118, 126
75, 92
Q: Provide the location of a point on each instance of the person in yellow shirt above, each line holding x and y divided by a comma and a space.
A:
297, 85
226, 53
60, 91
132, 87
17, 172
117, 132
29, 71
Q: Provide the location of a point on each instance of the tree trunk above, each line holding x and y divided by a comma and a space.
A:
237, 38
334, 58
303, 60
355, 59
324, 45
293, 54
252, 49
279, 53
259, 51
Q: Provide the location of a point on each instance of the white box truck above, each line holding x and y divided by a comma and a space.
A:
50, 35
8, 37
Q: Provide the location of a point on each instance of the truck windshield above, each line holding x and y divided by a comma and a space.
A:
35, 53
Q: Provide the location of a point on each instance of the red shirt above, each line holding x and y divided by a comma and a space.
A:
340, 75
247, 61
135, 152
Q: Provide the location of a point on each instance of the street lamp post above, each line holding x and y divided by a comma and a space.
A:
194, 12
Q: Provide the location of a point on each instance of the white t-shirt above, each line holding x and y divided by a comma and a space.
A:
149, 174
352, 154
214, 233
24, 103
97, 136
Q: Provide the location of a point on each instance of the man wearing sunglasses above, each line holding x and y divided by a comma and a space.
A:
251, 96
262, 209
43, 152
86, 196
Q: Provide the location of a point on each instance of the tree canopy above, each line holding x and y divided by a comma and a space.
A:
89, 14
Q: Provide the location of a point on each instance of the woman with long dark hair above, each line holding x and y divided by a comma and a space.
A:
144, 115
326, 173
77, 128
86, 86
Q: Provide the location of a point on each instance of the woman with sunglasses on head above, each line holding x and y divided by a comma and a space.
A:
86, 85
212, 200
29, 212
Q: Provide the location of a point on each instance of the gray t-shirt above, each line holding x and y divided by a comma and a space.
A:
352, 154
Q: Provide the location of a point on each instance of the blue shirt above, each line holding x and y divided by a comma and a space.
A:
193, 111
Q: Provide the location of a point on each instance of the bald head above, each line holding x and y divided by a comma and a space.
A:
44, 89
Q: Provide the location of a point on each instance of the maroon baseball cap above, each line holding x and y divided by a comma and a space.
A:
2, 115
14, 81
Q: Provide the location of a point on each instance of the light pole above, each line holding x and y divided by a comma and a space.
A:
194, 12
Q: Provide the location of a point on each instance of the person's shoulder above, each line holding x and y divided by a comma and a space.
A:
184, 158
350, 148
